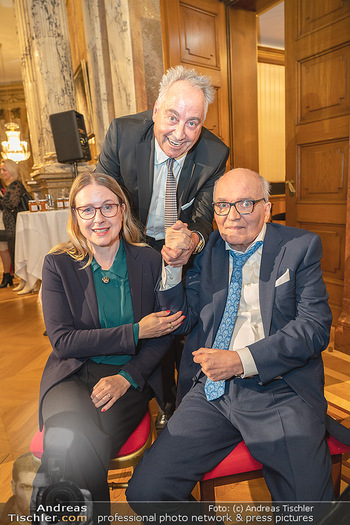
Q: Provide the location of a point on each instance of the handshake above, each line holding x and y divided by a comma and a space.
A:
180, 242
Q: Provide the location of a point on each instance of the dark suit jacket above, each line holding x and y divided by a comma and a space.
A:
72, 319
295, 314
128, 156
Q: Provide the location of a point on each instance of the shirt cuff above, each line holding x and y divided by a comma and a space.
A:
170, 277
248, 363
128, 378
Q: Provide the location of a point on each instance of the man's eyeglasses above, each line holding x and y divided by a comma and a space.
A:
243, 207
89, 212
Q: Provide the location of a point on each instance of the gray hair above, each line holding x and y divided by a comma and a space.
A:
180, 73
265, 185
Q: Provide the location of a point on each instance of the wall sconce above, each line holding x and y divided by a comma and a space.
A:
14, 148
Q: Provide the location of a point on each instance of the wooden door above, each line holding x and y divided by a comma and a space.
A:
194, 35
317, 128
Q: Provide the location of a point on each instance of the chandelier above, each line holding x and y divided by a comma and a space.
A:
14, 148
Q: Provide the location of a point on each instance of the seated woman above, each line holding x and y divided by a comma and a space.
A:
100, 314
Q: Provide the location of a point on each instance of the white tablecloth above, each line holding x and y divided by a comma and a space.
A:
36, 234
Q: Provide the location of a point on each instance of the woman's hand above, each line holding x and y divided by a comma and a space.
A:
159, 323
108, 390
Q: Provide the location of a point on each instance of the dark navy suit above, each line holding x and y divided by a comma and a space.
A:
281, 412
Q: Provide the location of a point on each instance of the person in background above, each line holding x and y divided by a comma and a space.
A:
107, 337
257, 310
23, 472
4, 250
9, 205
168, 162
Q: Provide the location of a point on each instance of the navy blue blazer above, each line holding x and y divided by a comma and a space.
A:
294, 309
128, 156
72, 320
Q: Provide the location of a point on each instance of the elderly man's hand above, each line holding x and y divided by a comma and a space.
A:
218, 364
179, 244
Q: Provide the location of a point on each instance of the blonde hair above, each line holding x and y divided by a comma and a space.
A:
12, 167
78, 247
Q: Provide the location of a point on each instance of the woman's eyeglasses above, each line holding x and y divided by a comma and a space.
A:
89, 212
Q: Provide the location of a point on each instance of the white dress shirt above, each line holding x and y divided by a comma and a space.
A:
155, 221
248, 328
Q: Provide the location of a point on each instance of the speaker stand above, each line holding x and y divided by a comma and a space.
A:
75, 164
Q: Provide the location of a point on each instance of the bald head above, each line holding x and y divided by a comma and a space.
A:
251, 178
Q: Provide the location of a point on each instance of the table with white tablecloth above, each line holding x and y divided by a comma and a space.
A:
36, 234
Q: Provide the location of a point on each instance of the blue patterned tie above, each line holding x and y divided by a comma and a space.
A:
215, 389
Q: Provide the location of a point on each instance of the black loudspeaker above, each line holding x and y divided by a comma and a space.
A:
69, 136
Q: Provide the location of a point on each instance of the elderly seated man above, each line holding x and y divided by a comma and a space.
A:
257, 306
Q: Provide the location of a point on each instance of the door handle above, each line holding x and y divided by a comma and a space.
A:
290, 185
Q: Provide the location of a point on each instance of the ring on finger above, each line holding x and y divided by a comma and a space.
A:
171, 326
108, 396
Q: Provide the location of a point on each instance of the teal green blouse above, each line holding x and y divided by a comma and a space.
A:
114, 304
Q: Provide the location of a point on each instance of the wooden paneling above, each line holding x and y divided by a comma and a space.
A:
317, 128
315, 15
196, 50
183, 25
244, 88
327, 98
328, 164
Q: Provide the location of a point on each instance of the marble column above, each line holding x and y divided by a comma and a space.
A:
99, 68
48, 83
124, 55
121, 56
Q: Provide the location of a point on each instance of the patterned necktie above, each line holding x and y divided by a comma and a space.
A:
215, 389
170, 209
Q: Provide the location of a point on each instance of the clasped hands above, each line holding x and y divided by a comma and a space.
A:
179, 244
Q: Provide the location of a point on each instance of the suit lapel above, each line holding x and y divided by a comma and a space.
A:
193, 175
184, 181
272, 255
86, 280
145, 169
220, 273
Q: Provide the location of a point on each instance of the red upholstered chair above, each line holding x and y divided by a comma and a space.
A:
239, 466
128, 456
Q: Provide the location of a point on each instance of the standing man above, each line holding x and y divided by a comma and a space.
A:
168, 163
257, 305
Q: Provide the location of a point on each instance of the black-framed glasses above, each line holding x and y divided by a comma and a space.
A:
243, 207
89, 212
